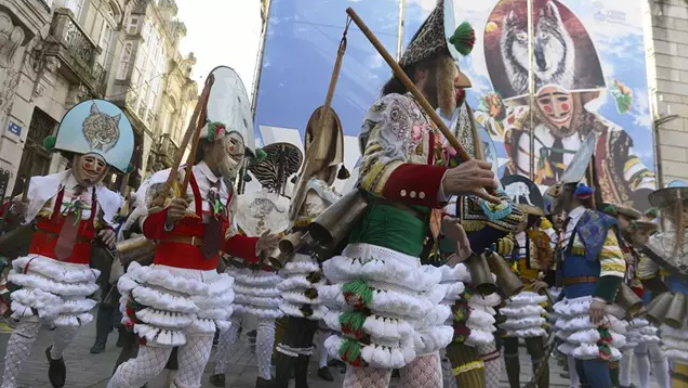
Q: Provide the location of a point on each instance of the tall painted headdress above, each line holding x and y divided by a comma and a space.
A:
230, 106
96, 127
563, 52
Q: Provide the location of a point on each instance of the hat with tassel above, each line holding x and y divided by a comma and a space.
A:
439, 35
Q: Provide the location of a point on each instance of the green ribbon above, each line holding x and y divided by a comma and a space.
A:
76, 207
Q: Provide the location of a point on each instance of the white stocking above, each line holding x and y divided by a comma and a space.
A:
447, 375
625, 368
423, 372
642, 362
265, 343
62, 337
493, 364
366, 377
224, 345
574, 380
192, 360
322, 351
148, 364
660, 366
18, 350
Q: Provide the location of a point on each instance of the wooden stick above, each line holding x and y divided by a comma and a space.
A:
162, 195
197, 139
422, 101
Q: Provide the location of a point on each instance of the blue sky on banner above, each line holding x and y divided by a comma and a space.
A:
615, 27
300, 50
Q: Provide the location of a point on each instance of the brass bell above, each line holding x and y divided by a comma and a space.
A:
291, 243
658, 308
137, 248
335, 223
628, 300
677, 311
507, 281
481, 277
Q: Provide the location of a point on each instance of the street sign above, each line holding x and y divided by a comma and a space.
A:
14, 128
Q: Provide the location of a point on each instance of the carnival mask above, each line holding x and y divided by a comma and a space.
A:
234, 150
556, 106
448, 82
89, 169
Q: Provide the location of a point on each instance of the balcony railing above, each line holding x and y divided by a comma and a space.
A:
78, 51
166, 150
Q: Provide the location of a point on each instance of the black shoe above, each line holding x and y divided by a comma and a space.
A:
217, 380
98, 347
325, 374
395, 373
335, 362
262, 383
57, 372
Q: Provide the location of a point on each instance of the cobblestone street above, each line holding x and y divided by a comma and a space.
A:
93, 371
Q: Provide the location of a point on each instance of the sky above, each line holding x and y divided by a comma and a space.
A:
222, 32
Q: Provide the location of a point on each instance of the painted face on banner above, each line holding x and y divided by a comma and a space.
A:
89, 169
556, 104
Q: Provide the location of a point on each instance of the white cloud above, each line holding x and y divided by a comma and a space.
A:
227, 35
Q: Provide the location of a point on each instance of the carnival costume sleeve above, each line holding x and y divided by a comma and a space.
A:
613, 268
387, 135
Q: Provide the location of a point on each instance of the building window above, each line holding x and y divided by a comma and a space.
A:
35, 158
133, 27
105, 41
74, 6
123, 68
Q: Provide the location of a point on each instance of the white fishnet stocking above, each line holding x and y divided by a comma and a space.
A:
493, 368
447, 375
323, 356
660, 366
626, 366
62, 337
265, 342
423, 372
149, 363
192, 360
225, 343
18, 350
366, 377
574, 379
642, 363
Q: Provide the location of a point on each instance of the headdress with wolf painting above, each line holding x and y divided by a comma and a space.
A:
563, 51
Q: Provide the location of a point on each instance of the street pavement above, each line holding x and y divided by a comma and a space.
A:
93, 371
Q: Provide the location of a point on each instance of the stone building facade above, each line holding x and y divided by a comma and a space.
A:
152, 83
57, 53
667, 44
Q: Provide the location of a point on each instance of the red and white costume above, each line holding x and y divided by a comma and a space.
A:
181, 299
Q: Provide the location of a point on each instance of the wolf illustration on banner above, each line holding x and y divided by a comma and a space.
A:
571, 95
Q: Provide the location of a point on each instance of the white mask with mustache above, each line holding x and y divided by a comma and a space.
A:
233, 157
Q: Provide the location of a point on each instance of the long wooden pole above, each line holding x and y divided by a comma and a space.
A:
417, 94
162, 195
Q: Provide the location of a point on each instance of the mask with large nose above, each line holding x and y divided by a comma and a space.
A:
225, 155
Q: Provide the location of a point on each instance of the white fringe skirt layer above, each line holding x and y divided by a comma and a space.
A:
165, 304
52, 291
406, 320
675, 343
256, 293
481, 312
640, 331
302, 278
581, 336
525, 316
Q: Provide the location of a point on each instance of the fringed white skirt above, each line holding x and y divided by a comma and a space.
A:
52, 291
300, 289
405, 318
166, 304
525, 317
675, 343
583, 339
473, 315
256, 293
640, 331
